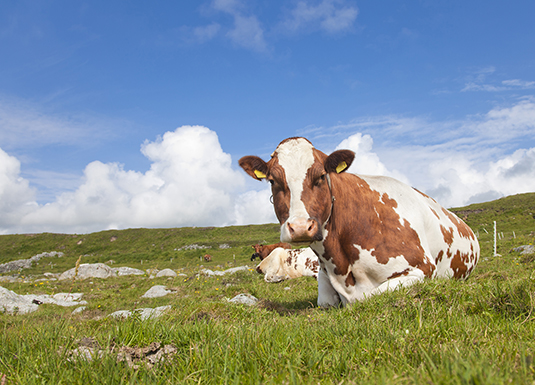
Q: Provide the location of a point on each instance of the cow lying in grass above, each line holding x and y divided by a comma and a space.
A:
371, 233
262, 251
282, 264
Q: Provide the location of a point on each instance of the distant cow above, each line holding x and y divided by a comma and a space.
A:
262, 251
207, 257
282, 264
371, 233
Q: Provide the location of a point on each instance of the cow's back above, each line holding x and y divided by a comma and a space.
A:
451, 244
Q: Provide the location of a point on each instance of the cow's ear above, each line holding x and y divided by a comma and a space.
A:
254, 166
339, 161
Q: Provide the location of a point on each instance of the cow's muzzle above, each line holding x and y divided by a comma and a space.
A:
303, 231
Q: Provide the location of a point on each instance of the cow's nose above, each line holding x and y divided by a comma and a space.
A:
304, 230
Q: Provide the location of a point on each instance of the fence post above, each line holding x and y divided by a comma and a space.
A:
495, 241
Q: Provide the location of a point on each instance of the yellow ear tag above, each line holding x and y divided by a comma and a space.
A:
341, 167
259, 174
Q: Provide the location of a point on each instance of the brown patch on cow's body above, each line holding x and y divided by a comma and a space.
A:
462, 228
448, 235
404, 272
378, 228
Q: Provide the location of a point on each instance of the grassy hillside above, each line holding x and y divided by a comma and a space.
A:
439, 331
515, 222
140, 248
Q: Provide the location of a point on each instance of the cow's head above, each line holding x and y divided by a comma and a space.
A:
302, 196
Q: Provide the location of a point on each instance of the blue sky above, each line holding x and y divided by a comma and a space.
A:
134, 114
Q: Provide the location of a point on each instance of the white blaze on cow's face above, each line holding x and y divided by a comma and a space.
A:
296, 157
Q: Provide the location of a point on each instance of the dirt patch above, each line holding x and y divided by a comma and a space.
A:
274, 306
89, 349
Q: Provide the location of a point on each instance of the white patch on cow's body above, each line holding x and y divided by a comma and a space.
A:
295, 157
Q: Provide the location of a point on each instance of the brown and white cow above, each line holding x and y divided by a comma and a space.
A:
371, 233
282, 264
262, 251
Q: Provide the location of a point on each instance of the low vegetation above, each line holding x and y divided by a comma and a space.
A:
438, 332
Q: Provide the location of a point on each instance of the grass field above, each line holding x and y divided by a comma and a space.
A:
437, 332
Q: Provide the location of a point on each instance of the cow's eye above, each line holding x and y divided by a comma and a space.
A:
320, 180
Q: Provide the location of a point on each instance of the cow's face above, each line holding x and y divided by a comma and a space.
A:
302, 196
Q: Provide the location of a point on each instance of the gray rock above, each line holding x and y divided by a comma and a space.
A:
79, 309
166, 273
525, 249
27, 263
211, 273
13, 303
88, 270
245, 299
121, 271
98, 270
144, 313
156, 291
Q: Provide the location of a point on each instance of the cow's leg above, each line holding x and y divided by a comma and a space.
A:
327, 296
395, 283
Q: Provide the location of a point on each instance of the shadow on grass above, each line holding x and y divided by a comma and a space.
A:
288, 308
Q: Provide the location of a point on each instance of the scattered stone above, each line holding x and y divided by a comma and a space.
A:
245, 299
144, 313
166, 273
211, 273
13, 303
525, 249
193, 247
98, 270
87, 270
79, 309
224, 246
9, 278
124, 270
156, 291
27, 263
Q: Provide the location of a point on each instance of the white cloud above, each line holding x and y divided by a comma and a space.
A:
254, 207
190, 182
331, 16
16, 196
366, 161
479, 81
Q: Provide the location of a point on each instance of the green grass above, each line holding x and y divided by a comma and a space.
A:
439, 332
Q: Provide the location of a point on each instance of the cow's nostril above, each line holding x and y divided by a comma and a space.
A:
291, 229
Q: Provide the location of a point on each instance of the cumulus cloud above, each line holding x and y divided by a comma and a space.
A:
190, 182
366, 161
16, 196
